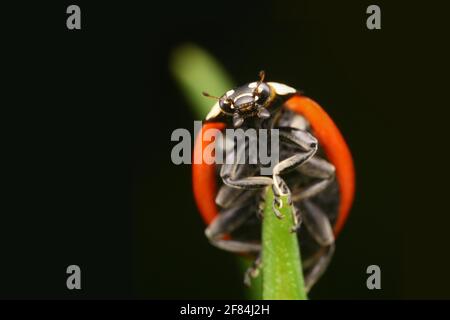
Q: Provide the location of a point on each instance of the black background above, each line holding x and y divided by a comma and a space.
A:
88, 116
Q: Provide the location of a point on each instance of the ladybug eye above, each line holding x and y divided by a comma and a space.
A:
226, 105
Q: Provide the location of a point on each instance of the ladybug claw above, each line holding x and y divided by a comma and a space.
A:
297, 220
247, 280
289, 199
276, 205
252, 272
261, 205
260, 214
295, 228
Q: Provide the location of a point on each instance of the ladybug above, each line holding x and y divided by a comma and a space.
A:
315, 170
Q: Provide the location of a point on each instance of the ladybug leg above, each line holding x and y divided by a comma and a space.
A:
253, 271
321, 262
315, 168
236, 246
231, 176
308, 144
228, 196
231, 218
261, 206
298, 219
257, 182
226, 222
319, 226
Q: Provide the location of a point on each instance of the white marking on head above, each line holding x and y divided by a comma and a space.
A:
214, 112
282, 89
243, 95
229, 93
252, 85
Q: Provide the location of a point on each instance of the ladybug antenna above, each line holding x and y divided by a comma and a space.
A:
262, 76
206, 94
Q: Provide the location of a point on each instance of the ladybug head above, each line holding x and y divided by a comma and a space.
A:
252, 100
246, 101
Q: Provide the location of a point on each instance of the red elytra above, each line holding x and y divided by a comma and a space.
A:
326, 132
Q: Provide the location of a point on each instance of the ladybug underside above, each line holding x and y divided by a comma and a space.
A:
314, 193
314, 170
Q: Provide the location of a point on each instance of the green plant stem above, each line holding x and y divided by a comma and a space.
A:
282, 269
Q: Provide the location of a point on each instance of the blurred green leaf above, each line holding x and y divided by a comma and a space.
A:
196, 71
